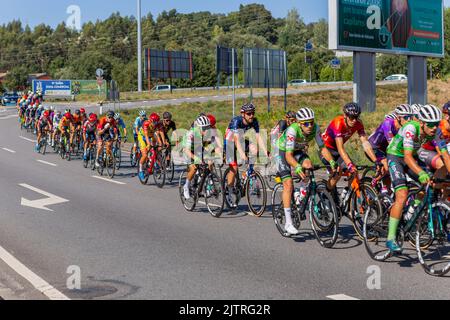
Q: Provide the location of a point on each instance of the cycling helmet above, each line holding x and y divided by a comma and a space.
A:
67, 111
77, 112
446, 108
142, 113
68, 116
117, 116
430, 113
352, 110
203, 122
212, 120
46, 108
404, 110
58, 112
155, 118
305, 114
93, 117
248, 108
83, 110
291, 115
110, 114
167, 116
46, 114
416, 108
392, 116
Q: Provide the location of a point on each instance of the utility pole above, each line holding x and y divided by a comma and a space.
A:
139, 46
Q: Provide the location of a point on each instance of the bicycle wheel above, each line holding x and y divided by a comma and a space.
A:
278, 210
133, 158
256, 192
170, 170
366, 202
118, 156
231, 200
214, 195
144, 181
323, 217
110, 164
435, 259
159, 170
189, 204
43, 146
375, 231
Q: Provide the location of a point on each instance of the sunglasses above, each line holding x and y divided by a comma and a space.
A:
307, 124
432, 125
250, 114
351, 118
407, 118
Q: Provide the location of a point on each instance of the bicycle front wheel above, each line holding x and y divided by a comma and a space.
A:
133, 157
256, 192
214, 195
118, 156
435, 258
323, 217
278, 209
110, 164
188, 203
159, 170
365, 202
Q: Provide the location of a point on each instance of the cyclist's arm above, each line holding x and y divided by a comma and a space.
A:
342, 152
238, 145
261, 143
368, 148
411, 162
446, 158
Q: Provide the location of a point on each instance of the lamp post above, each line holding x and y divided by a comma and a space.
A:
139, 46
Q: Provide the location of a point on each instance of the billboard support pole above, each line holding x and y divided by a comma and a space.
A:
234, 87
268, 80
364, 83
139, 49
417, 80
285, 81
251, 75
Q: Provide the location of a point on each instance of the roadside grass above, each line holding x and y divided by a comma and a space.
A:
327, 105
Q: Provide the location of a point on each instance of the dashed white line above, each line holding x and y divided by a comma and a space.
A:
40, 284
21, 137
341, 297
108, 180
47, 163
9, 150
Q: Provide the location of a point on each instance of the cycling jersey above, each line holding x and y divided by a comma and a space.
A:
56, 120
383, 136
237, 124
171, 126
89, 128
138, 123
43, 122
338, 129
76, 120
149, 128
64, 123
442, 139
121, 124
276, 132
408, 138
294, 139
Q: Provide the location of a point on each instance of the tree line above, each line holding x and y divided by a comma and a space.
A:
111, 44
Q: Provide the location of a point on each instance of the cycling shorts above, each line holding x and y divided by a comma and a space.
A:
398, 171
336, 157
429, 158
142, 143
90, 136
284, 170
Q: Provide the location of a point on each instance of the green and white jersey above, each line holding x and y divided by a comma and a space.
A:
293, 139
408, 138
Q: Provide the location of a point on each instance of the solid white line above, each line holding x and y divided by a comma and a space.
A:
34, 141
37, 282
9, 150
48, 163
341, 297
109, 180
9, 117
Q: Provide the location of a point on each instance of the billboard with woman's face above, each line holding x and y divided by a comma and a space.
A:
410, 27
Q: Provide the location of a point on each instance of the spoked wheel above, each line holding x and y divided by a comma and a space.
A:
362, 204
435, 258
232, 196
170, 170
214, 195
278, 210
133, 157
110, 165
375, 231
145, 168
323, 217
118, 157
92, 156
43, 146
256, 192
159, 170
188, 203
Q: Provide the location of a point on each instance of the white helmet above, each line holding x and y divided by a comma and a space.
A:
305, 114
142, 113
392, 116
203, 122
416, 108
404, 110
430, 113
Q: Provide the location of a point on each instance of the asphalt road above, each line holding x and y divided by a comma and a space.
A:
137, 242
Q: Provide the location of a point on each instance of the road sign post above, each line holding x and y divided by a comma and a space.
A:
417, 80
364, 86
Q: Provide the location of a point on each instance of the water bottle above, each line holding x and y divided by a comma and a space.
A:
411, 210
344, 195
384, 190
297, 196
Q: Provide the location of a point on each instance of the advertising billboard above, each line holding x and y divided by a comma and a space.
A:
53, 87
408, 27
88, 87
265, 68
160, 64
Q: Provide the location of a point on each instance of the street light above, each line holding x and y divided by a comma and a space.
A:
139, 46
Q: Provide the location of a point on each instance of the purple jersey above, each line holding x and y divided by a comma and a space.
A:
383, 135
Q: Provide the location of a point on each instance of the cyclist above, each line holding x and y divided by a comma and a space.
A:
83, 116
106, 132
196, 137
65, 124
383, 136
137, 126
281, 127
341, 129
76, 127
121, 125
401, 157
44, 125
150, 134
238, 126
416, 109
293, 153
56, 120
89, 130
168, 125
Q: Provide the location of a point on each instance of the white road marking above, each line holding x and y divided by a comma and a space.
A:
188, 98
34, 141
9, 150
109, 180
341, 297
37, 282
48, 163
9, 117
41, 203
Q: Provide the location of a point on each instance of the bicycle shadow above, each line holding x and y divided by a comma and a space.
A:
347, 238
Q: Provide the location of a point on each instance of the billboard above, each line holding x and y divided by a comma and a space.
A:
53, 87
224, 60
161, 64
408, 27
88, 87
265, 68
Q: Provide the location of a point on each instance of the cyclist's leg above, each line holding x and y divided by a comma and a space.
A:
284, 172
144, 153
333, 181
